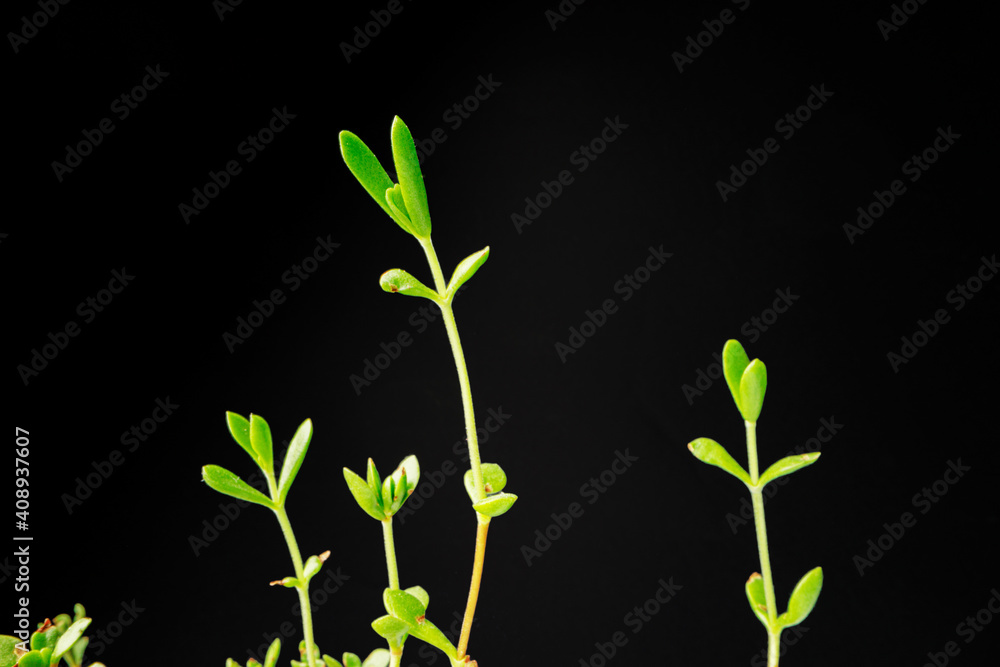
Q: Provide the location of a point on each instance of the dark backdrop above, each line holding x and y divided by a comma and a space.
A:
653, 123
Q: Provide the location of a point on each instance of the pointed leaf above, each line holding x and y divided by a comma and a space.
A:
422, 596
494, 478
787, 466
752, 388
273, 651
374, 481
394, 199
351, 660
293, 458
756, 598
391, 629
69, 637
430, 633
398, 280
400, 604
466, 269
377, 658
313, 564
404, 154
388, 490
367, 500
330, 661
712, 453
239, 428
495, 504
260, 439
369, 172
734, 362
399, 492
803, 598
228, 483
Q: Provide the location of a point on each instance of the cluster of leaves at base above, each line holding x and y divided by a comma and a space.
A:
377, 658
57, 639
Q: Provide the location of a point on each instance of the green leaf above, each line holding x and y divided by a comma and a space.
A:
404, 154
494, 478
232, 663
294, 457
313, 564
367, 500
273, 651
786, 466
712, 453
466, 269
404, 481
394, 198
46, 638
377, 658
228, 483
404, 606
756, 597
369, 172
430, 633
734, 362
495, 504
239, 428
422, 596
803, 598
8, 656
287, 582
391, 629
33, 659
374, 481
351, 660
398, 280
69, 637
78, 611
752, 388
78, 650
260, 440
330, 661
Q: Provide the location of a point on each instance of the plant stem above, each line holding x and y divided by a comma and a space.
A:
760, 524
483, 522
390, 554
303, 587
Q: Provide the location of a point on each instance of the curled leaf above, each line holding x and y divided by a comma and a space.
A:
495, 504
756, 597
494, 480
803, 598
398, 280
710, 452
466, 269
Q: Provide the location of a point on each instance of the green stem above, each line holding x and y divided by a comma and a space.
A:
471, 436
760, 524
390, 554
303, 587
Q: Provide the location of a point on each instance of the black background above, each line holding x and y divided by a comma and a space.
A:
656, 184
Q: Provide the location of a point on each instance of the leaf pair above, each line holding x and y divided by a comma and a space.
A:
495, 502
402, 282
254, 436
407, 615
747, 380
800, 604
382, 499
710, 452
405, 202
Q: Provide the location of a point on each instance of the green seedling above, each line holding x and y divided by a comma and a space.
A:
747, 382
406, 609
58, 639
